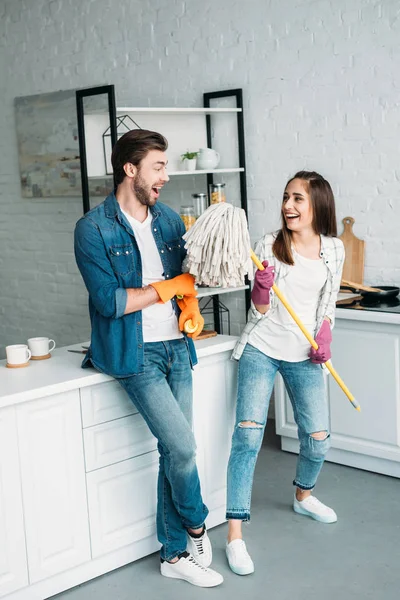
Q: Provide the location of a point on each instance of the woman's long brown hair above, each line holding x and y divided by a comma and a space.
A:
324, 214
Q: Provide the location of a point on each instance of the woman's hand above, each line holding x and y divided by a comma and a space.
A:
324, 340
263, 282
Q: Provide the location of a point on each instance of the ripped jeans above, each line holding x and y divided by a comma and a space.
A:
305, 385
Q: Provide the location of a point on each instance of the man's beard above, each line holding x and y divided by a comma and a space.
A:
142, 193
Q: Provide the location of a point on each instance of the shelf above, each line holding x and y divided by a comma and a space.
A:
203, 292
199, 111
174, 173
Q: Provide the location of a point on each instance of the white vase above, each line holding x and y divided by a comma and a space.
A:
190, 164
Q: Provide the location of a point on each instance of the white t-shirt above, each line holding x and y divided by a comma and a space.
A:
278, 336
159, 321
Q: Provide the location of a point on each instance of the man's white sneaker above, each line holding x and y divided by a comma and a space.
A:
188, 569
312, 507
238, 558
200, 548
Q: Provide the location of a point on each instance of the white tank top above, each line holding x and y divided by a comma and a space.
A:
278, 336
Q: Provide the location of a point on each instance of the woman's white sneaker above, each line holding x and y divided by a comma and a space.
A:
188, 569
312, 507
238, 558
200, 548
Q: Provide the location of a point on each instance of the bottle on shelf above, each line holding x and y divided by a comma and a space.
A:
200, 203
188, 216
217, 193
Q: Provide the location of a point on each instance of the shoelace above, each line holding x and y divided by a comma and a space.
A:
198, 542
315, 502
193, 562
240, 550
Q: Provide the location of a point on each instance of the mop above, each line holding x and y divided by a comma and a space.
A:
219, 254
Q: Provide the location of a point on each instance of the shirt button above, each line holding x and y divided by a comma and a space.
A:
155, 229
127, 252
162, 251
179, 245
166, 277
138, 323
118, 253
169, 248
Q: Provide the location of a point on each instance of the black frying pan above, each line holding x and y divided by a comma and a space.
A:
387, 291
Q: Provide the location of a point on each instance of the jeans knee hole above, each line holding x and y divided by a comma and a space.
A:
250, 425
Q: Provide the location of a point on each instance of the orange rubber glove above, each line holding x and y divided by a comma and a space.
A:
182, 285
190, 311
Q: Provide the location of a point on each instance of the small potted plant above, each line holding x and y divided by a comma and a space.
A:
189, 158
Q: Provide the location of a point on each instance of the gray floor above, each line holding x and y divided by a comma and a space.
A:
295, 557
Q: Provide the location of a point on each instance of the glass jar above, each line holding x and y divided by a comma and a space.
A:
188, 217
217, 193
200, 203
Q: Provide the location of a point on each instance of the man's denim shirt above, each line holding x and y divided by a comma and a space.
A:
109, 260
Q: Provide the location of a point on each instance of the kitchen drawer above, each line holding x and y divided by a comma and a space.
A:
118, 440
122, 504
104, 402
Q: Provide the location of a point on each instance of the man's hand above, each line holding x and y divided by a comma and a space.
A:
190, 311
182, 285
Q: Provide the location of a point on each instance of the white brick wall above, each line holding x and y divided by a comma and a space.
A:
321, 88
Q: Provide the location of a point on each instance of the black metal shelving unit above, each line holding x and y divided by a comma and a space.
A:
218, 308
108, 90
207, 99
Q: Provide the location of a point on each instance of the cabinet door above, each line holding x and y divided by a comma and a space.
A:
53, 484
122, 503
214, 388
367, 357
13, 568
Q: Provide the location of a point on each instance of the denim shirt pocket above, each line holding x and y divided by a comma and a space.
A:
173, 250
122, 259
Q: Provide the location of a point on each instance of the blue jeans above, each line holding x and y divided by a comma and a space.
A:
163, 396
304, 382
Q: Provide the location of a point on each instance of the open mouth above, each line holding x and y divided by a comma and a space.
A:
156, 190
291, 216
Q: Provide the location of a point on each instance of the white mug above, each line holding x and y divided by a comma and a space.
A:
18, 354
40, 346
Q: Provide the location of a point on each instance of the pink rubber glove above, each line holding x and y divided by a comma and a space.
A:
323, 339
263, 282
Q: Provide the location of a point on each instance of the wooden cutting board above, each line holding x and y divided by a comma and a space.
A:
353, 269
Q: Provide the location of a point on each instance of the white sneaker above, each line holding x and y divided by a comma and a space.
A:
312, 507
200, 548
190, 570
238, 558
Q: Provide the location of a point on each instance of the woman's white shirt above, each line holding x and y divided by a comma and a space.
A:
279, 337
332, 255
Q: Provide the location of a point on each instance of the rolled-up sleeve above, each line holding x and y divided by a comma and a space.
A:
91, 257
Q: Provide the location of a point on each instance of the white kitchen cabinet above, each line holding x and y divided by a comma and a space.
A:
53, 484
214, 386
122, 503
366, 354
13, 565
87, 467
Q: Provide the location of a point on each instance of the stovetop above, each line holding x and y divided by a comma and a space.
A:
391, 305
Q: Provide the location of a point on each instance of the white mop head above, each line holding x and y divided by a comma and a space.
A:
218, 247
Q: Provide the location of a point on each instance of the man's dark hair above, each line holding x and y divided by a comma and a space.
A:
132, 147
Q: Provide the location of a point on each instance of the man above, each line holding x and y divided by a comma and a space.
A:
129, 250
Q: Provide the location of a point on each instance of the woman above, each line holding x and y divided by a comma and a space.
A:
306, 260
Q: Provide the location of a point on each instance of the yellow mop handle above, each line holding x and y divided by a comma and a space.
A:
309, 337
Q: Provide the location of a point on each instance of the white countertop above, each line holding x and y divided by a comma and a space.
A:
372, 316
63, 372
